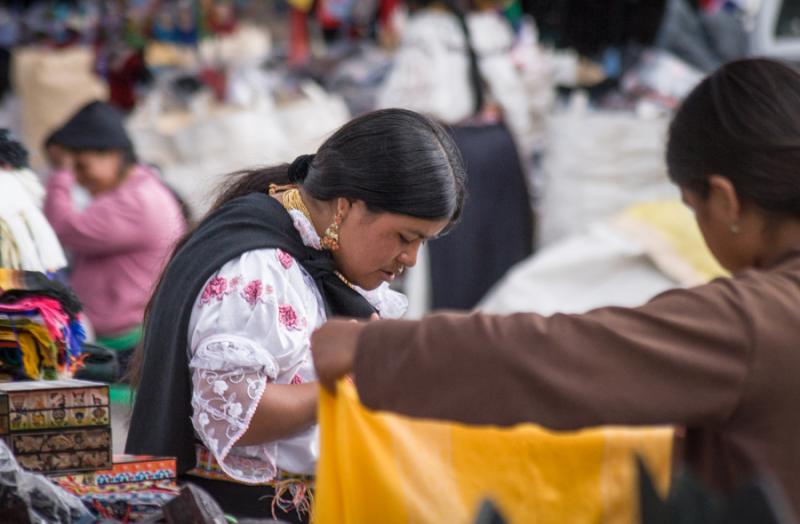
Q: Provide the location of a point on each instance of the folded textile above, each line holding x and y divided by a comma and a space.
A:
35, 244
35, 350
16, 285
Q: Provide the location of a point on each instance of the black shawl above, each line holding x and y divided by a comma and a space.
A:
160, 424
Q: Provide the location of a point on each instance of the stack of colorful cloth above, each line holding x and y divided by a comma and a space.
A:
40, 329
134, 488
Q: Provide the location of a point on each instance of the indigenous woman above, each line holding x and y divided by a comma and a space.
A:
120, 240
227, 381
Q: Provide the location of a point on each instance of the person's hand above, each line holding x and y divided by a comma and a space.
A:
60, 158
334, 348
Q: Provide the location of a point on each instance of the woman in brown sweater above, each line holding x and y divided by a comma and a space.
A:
722, 359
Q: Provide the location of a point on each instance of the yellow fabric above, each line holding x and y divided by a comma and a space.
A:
380, 467
302, 5
669, 232
30, 354
37, 348
160, 54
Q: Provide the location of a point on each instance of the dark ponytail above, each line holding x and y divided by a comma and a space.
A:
242, 183
298, 170
474, 71
475, 78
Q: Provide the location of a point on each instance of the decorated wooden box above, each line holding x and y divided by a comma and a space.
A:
61, 451
53, 404
129, 472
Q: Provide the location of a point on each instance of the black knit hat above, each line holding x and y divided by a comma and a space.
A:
96, 126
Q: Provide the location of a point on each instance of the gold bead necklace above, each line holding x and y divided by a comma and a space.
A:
291, 199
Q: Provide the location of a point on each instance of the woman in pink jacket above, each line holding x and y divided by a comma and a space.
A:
120, 240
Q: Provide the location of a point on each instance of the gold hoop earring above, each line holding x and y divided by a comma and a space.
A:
330, 239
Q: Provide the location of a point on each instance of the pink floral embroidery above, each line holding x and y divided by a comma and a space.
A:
285, 259
218, 287
297, 379
288, 317
252, 292
215, 289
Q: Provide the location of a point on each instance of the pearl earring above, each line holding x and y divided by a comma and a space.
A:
735, 229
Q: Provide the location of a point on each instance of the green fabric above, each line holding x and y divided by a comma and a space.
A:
513, 11
120, 393
126, 340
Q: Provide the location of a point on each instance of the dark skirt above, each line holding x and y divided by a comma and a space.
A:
244, 501
496, 227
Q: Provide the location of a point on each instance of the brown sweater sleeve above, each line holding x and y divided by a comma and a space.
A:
683, 358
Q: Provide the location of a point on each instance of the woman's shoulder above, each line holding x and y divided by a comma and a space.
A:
264, 262
760, 301
256, 275
255, 289
776, 284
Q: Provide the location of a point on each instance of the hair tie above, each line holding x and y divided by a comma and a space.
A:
298, 170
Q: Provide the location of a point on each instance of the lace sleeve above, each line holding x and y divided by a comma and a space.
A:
251, 325
224, 400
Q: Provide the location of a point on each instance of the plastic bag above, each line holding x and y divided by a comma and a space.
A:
598, 163
29, 497
661, 77
52, 85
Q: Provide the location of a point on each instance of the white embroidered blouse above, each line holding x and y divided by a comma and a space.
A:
251, 325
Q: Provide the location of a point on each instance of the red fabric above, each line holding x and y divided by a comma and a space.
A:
216, 80
710, 5
326, 19
299, 50
221, 21
122, 81
387, 9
